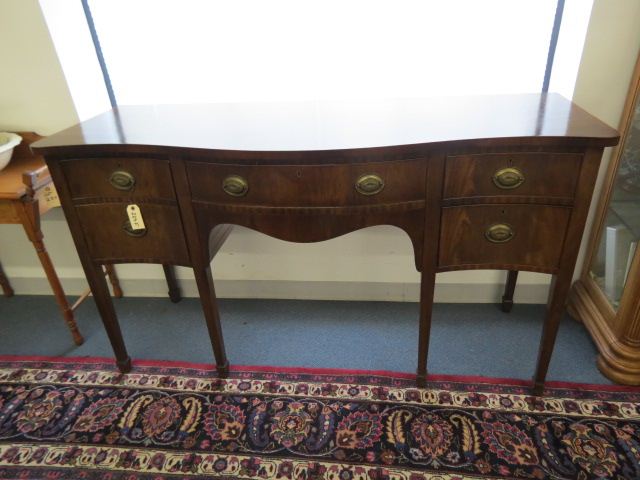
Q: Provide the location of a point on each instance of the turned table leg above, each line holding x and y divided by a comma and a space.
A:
58, 291
207, 293
172, 283
509, 289
4, 284
30, 219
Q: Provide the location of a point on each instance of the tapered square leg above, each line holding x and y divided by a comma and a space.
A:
124, 365
427, 285
212, 317
100, 290
429, 260
538, 389
172, 283
555, 308
4, 284
509, 289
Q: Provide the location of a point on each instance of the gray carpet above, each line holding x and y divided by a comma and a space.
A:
467, 339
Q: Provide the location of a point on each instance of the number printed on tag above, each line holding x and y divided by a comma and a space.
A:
50, 196
135, 217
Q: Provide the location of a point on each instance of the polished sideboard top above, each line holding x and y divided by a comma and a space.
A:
349, 130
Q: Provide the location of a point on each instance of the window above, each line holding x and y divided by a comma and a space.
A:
199, 51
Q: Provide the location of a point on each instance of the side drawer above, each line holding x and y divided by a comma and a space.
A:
146, 178
500, 236
309, 186
520, 174
162, 241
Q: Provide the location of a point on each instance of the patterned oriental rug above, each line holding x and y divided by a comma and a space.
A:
80, 418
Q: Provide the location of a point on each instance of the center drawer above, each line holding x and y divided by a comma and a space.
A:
106, 229
502, 236
308, 186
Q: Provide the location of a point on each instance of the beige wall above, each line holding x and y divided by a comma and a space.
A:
33, 90
372, 264
33, 97
610, 52
609, 55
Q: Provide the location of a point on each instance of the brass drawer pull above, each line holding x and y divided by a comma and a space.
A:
131, 232
499, 233
369, 184
508, 178
235, 185
122, 180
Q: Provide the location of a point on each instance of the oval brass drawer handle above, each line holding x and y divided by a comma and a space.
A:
235, 185
508, 178
126, 226
122, 180
369, 184
499, 233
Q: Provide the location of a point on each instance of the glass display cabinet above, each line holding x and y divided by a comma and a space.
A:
607, 296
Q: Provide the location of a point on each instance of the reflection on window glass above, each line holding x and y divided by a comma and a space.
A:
621, 232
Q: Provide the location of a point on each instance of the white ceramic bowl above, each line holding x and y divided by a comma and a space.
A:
8, 141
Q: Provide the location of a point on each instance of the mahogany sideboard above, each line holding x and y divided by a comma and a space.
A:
487, 182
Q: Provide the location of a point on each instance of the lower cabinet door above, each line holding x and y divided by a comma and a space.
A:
110, 237
526, 237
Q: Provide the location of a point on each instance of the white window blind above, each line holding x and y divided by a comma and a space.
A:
196, 51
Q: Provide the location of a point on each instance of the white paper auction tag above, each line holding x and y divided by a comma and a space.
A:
135, 217
50, 196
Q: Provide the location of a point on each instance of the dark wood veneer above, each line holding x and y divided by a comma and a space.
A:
334, 131
107, 240
308, 186
436, 158
548, 175
89, 178
537, 243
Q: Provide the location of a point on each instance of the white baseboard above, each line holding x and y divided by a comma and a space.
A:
308, 290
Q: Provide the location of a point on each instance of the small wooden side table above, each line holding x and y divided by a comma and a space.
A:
26, 194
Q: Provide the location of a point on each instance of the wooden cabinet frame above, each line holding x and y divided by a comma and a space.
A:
616, 333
